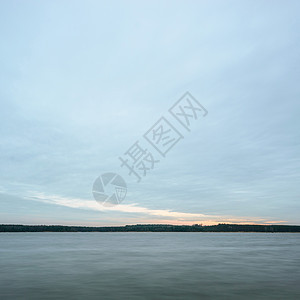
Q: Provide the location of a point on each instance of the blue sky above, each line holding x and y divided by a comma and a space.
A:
81, 81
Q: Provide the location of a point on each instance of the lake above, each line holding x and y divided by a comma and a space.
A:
150, 265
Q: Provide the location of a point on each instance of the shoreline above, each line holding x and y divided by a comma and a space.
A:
154, 228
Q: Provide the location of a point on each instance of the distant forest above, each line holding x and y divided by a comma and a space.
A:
152, 228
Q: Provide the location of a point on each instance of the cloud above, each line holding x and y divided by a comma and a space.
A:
173, 217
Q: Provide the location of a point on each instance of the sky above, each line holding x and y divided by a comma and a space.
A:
82, 81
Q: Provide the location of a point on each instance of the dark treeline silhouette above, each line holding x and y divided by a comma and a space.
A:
152, 228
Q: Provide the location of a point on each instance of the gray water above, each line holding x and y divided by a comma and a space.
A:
149, 266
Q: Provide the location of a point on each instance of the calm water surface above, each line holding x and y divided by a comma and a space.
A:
149, 266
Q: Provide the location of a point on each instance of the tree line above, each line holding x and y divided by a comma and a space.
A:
152, 228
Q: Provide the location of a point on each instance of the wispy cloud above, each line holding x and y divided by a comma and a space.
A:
161, 215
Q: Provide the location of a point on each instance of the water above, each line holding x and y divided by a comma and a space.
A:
149, 266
